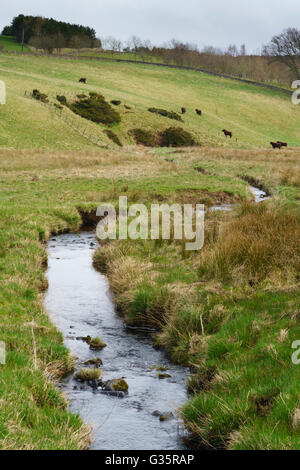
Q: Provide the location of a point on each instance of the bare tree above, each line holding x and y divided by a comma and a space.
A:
59, 42
285, 48
46, 43
81, 41
134, 43
243, 50
112, 44
232, 50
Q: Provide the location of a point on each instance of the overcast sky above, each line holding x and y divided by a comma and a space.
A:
210, 22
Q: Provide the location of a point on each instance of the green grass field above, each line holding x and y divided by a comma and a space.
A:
256, 116
230, 311
9, 43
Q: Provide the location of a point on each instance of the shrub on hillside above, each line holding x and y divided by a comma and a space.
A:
95, 108
112, 136
61, 99
143, 137
37, 95
176, 137
165, 113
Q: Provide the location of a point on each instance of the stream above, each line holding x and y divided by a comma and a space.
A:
79, 303
259, 196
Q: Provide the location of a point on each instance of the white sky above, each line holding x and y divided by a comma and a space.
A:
212, 22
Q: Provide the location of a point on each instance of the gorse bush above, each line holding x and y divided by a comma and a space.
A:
171, 137
113, 137
176, 137
144, 137
96, 109
61, 99
165, 113
37, 95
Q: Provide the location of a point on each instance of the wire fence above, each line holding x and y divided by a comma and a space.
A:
72, 120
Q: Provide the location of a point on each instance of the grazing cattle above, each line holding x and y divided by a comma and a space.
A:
82, 80
227, 133
276, 145
283, 144
199, 112
183, 110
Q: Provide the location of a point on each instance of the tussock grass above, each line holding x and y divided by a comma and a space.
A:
96, 343
84, 375
261, 242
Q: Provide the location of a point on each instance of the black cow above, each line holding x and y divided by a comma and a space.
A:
276, 145
82, 80
227, 133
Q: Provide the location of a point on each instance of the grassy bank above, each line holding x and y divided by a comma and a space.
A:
9, 43
255, 115
231, 311
40, 194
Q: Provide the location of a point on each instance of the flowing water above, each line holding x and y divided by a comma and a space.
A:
259, 196
79, 303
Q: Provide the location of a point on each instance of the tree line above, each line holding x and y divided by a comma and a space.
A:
49, 34
278, 61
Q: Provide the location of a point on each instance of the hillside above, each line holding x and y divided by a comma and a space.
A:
10, 44
256, 116
230, 311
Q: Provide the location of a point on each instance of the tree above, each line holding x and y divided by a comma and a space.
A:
285, 48
80, 42
112, 44
29, 27
134, 43
47, 43
232, 50
243, 50
59, 42
7, 31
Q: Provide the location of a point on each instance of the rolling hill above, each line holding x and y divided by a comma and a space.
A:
255, 115
9, 43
